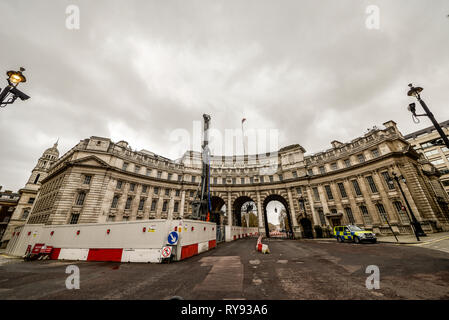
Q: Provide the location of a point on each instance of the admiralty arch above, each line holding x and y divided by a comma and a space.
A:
350, 183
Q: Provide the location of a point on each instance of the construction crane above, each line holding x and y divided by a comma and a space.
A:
201, 205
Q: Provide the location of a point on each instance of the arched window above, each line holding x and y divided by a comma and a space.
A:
37, 178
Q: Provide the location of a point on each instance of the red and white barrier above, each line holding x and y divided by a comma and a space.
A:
135, 241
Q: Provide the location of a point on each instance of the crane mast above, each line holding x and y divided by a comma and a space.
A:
201, 204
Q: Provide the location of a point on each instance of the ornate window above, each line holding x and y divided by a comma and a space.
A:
74, 218
322, 218
341, 187
382, 212
347, 163
87, 179
329, 192
128, 202
141, 203
316, 195
348, 211
114, 202
388, 180
153, 205
80, 199
371, 184
361, 158
403, 217
356, 186
365, 214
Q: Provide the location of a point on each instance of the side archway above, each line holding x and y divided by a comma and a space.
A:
217, 211
281, 199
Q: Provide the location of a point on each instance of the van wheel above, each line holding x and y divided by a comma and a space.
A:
356, 240
339, 240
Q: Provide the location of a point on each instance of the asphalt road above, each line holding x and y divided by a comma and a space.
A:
301, 269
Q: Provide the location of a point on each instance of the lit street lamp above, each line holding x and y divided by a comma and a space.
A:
414, 91
415, 223
10, 93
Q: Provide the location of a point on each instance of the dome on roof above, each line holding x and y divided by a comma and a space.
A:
53, 150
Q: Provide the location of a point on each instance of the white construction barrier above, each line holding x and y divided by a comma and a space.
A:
234, 233
134, 241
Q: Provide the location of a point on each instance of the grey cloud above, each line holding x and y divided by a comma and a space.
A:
139, 70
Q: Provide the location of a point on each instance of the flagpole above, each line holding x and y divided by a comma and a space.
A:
243, 139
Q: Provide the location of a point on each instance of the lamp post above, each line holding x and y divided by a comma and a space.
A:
10, 93
415, 223
415, 91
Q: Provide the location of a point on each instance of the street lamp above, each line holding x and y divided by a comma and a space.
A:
415, 92
10, 93
415, 223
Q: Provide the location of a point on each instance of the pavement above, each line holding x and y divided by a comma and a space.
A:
295, 269
411, 239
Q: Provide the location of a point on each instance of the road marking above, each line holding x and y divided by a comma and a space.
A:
282, 261
257, 261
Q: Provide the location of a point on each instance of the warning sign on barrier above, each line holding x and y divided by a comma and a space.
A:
166, 252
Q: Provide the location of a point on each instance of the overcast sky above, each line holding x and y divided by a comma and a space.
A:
139, 70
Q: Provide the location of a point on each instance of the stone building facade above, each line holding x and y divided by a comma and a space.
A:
425, 142
99, 180
28, 194
8, 203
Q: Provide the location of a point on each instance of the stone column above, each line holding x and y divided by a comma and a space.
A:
183, 199
323, 199
392, 216
229, 209
171, 204
412, 181
293, 213
354, 207
147, 208
315, 217
160, 201
261, 227
366, 192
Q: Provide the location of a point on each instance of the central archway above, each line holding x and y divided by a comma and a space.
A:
248, 205
289, 227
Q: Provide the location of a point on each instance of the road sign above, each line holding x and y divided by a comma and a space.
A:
166, 252
173, 238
